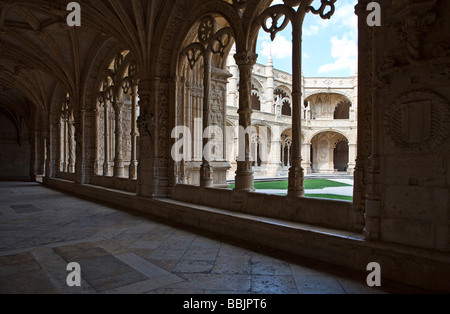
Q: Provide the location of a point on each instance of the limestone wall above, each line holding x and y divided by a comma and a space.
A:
14, 157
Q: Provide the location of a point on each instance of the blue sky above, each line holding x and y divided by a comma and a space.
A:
329, 46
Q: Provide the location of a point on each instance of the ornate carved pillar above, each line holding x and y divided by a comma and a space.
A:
71, 144
244, 175
57, 145
148, 167
134, 133
80, 152
365, 103
118, 159
106, 169
64, 130
50, 163
98, 133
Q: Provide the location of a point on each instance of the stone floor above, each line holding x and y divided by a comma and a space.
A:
42, 230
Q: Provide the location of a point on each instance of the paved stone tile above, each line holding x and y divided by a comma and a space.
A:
21, 274
217, 282
141, 265
55, 267
124, 253
318, 285
263, 265
19, 263
167, 254
265, 284
201, 254
191, 267
351, 286
32, 282
232, 265
147, 286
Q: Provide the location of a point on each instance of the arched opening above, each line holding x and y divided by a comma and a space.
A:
342, 111
283, 101
202, 100
116, 120
329, 153
260, 148
341, 156
286, 149
256, 100
328, 106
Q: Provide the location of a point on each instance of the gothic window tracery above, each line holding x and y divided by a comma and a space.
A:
283, 100
117, 107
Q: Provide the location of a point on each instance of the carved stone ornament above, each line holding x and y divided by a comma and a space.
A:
418, 121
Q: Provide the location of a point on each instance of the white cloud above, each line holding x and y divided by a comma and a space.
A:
281, 48
345, 51
345, 16
311, 30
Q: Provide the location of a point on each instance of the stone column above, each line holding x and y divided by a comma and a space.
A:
206, 170
296, 172
118, 160
364, 113
71, 143
64, 129
244, 175
306, 163
233, 81
106, 170
270, 85
98, 132
134, 133
80, 147
57, 128
352, 158
50, 162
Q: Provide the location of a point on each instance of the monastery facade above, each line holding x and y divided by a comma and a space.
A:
329, 114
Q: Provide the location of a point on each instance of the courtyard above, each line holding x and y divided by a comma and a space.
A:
334, 188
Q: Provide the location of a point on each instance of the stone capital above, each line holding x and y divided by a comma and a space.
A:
246, 58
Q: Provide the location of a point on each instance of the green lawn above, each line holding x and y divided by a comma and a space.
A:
331, 197
317, 184
328, 196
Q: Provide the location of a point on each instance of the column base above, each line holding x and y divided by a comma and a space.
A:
119, 169
206, 176
133, 171
296, 182
245, 180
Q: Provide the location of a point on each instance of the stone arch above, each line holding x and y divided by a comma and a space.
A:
188, 26
337, 131
323, 105
347, 94
283, 99
328, 156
